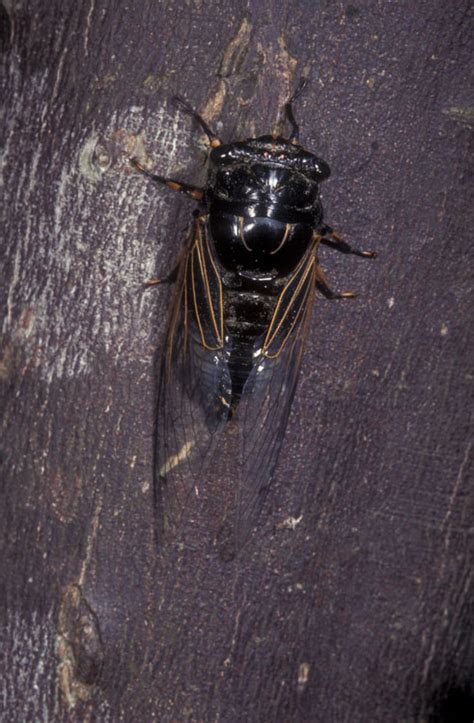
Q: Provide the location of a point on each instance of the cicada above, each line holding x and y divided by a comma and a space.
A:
245, 287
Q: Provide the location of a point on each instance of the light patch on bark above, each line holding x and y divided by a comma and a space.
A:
80, 263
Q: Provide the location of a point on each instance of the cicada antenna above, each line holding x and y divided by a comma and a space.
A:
295, 129
214, 140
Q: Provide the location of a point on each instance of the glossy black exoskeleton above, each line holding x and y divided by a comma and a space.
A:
245, 289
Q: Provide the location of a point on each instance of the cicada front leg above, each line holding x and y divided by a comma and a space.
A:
192, 191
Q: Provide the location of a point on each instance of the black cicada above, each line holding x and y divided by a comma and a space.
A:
246, 282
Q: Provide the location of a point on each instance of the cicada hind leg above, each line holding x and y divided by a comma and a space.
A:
172, 276
323, 287
329, 237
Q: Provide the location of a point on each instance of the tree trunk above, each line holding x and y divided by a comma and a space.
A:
353, 598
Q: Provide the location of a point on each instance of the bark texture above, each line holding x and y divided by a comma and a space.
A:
354, 598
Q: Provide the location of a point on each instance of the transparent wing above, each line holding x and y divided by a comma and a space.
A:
263, 410
193, 382
201, 441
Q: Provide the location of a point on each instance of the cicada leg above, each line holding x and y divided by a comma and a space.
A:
323, 287
192, 191
168, 279
214, 140
173, 274
295, 130
337, 243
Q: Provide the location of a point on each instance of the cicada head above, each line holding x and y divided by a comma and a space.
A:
267, 168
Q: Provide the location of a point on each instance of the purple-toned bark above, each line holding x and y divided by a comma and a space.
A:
354, 598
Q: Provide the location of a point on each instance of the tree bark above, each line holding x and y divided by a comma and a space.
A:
353, 599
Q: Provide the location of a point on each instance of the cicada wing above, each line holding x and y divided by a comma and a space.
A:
264, 407
193, 382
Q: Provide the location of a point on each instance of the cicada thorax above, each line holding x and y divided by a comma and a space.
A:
263, 202
258, 246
